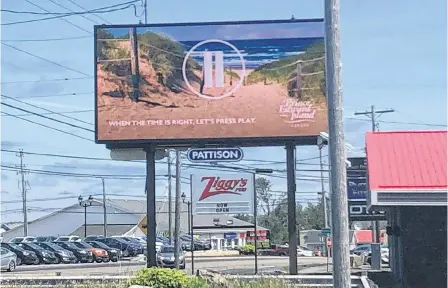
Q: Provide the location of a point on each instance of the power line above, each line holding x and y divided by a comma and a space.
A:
65, 20
97, 16
48, 118
75, 13
45, 80
62, 15
44, 59
53, 113
49, 127
47, 39
400, 122
45, 109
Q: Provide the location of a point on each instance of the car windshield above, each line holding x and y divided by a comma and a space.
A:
63, 238
167, 249
41, 239
69, 245
15, 247
33, 246
120, 240
18, 239
53, 246
99, 245
83, 245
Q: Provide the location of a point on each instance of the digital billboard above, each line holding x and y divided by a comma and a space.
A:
182, 83
223, 193
357, 192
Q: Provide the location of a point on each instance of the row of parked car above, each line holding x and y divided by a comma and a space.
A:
73, 249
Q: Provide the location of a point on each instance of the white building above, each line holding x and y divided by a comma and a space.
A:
124, 215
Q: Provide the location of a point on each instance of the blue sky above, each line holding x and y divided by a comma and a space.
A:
393, 53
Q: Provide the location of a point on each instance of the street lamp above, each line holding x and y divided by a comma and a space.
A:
190, 229
85, 204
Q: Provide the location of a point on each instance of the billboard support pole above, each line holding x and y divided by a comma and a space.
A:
292, 221
255, 226
340, 240
177, 210
151, 206
134, 64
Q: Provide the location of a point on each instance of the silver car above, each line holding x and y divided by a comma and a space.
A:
8, 260
165, 257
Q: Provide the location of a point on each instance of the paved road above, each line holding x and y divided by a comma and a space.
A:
241, 265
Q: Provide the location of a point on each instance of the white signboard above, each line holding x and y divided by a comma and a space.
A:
223, 193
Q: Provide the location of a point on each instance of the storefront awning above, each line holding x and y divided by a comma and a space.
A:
407, 168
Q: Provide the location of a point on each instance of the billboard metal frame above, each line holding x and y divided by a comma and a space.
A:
198, 142
150, 146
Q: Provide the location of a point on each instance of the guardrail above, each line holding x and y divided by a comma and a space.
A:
72, 281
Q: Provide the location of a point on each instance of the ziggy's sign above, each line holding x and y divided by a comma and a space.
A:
218, 193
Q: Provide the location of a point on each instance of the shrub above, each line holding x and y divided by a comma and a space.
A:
160, 278
196, 282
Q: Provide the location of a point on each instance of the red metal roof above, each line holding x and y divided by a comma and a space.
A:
407, 160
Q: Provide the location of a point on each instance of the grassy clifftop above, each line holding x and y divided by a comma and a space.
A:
285, 71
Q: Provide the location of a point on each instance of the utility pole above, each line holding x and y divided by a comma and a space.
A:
320, 145
177, 210
104, 209
372, 114
145, 5
170, 201
22, 185
298, 79
339, 211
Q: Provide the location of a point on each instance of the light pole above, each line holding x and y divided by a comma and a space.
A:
190, 229
255, 172
85, 204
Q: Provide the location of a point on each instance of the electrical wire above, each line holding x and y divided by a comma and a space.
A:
44, 59
48, 39
45, 109
62, 15
81, 14
97, 16
65, 20
398, 122
46, 80
53, 113
48, 118
49, 127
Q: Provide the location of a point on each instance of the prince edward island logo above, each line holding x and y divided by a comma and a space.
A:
297, 113
218, 69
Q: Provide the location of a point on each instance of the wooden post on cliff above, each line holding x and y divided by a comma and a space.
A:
298, 79
134, 64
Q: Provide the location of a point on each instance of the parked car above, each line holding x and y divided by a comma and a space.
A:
83, 255
92, 238
8, 260
361, 249
99, 255
23, 256
22, 239
127, 248
45, 255
303, 251
114, 254
45, 239
165, 258
64, 255
133, 241
67, 239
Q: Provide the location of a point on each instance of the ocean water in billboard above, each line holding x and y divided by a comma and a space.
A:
210, 81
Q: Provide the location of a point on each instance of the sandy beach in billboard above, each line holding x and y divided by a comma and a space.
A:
216, 89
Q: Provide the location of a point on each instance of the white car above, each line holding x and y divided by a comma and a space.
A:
17, 240
71, 238
304, 252
8, 260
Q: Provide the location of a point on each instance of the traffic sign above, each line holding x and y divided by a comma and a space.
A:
215, 154
326, 231
142, 226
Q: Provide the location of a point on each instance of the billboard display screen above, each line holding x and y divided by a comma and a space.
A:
254, 82
222, 193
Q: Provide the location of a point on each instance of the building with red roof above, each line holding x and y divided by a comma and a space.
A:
407, 177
